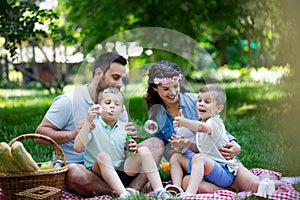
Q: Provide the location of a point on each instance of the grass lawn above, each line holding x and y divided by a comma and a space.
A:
257, 115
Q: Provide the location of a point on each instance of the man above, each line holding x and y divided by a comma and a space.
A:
63, 121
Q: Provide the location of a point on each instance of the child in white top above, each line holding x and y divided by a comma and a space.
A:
208, 164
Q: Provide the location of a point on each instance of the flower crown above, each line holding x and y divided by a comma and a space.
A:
174, 79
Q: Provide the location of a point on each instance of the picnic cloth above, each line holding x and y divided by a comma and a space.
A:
284, 192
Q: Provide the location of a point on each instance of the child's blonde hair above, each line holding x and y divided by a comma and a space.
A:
217, 91
112, 90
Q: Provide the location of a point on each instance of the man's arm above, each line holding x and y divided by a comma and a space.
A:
48, 129
57, 117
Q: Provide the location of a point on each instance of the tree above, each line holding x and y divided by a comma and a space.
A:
217, 25
18, 23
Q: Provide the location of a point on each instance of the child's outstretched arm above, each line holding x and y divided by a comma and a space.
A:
193, 125
81, 139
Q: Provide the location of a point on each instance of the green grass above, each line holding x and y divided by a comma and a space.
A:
257, 115
22, 114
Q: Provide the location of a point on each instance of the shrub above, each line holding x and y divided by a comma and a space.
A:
228, 74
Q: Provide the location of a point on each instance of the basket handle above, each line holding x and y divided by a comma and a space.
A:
57, 149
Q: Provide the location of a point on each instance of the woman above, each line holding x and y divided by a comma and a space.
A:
164, 98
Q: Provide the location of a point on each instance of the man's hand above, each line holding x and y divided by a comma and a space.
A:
131, 130
79, 127
230, 150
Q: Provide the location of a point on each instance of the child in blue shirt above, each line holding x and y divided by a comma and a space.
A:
105, 147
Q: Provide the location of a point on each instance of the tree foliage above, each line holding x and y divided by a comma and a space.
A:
217, 25
25, 25
18, 21
240, 32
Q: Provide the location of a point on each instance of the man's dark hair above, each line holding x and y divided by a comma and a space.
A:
105, 60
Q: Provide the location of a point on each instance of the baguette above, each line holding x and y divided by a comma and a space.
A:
2, 168
23, 159
6, 159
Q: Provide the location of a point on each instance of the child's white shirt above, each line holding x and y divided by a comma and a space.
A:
208, 144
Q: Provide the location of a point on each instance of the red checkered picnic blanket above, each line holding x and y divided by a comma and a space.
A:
284, 192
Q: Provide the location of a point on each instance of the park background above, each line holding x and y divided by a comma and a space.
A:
47, 47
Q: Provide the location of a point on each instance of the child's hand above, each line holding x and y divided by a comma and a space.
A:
176, 137
92, 112
131, 145
178, 141
131, 130
178, 120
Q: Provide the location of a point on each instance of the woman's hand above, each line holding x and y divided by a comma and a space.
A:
230, 150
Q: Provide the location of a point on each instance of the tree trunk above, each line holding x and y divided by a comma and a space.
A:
1, 69
34, 65
223, 60
30, 75
249, 50
6, 69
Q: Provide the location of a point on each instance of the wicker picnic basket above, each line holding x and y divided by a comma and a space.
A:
41, 184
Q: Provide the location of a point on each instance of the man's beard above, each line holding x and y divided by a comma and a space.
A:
102, 86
